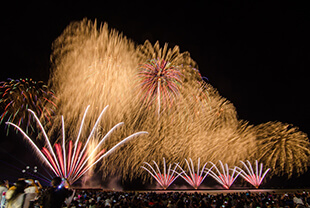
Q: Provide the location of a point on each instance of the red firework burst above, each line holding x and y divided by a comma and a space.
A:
160, 81
17, 96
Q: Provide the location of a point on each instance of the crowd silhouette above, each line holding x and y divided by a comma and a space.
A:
29, 193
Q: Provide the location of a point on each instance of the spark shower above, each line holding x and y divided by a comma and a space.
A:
154, 88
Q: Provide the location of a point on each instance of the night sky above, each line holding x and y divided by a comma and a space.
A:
255, 54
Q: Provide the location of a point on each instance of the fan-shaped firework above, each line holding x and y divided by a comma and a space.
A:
227, 177
165, 177
17, 96
72, 164
194, 178
283, 148
159, 81
254, 178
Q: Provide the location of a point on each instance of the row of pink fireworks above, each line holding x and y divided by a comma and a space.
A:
222, 174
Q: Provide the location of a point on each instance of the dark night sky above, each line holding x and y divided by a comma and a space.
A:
255, 54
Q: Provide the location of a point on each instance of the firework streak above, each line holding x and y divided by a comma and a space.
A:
71, 162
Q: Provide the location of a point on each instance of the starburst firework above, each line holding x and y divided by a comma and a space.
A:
159, 81
17, 96
283, 148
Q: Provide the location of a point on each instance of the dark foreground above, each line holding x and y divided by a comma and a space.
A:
263, 198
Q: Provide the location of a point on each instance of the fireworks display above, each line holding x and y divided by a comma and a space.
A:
199, 123
17, 96
71, 162
98, 66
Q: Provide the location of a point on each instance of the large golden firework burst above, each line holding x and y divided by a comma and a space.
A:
283, 148
93, 65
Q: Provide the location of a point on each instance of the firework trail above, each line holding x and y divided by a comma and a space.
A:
194, 178
71, 162
254, 178
17, 96
164, 178
283, 148
224, 178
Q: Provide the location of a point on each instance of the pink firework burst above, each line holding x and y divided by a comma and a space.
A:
254, 178
164, 179
194, 178
160, 81
227, 177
